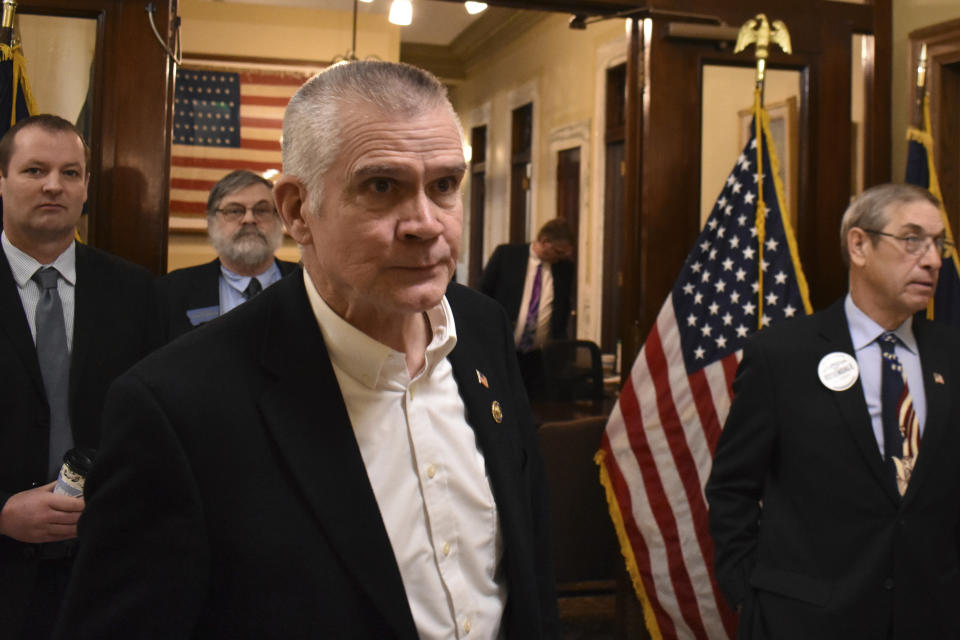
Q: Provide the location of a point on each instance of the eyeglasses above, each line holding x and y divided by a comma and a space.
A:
917, 245
234, 212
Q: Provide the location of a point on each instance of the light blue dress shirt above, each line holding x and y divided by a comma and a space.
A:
232, 285
864, 332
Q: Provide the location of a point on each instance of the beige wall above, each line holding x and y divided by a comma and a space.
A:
230, 28
58, 53
557, 69
909, 15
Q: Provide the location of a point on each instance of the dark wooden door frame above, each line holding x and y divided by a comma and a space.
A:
663, 142
131, 124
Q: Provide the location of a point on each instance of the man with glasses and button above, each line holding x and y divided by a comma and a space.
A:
835, 489
72, 318
246, 231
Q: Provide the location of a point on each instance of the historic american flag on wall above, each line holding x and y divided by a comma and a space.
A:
223, 120
656, 452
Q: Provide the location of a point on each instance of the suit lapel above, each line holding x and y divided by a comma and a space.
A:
305, 413
206, 289
13, 323
937, 372
851, 403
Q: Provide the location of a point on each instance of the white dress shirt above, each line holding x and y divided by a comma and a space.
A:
864, 332
23, 267
546, 301
427, 474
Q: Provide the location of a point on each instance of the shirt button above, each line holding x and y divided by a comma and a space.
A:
467, 626
446, 548
431, 471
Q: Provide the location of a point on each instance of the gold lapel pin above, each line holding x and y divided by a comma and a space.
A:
482, 379
496, 412
938, 378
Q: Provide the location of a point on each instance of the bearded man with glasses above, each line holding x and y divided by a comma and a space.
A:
835, 489
245, 230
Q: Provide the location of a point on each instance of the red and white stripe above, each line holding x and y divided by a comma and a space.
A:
657, 452
195, 169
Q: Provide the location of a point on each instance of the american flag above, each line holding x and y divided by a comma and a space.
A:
656, 452
922, 171
224, 120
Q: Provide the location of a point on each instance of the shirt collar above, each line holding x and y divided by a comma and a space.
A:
240, 282
534, 258
370, 362
23, 265
865, 330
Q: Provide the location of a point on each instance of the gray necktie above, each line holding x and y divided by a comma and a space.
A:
54, 365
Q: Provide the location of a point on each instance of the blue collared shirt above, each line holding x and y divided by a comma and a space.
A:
232, 285
864, 332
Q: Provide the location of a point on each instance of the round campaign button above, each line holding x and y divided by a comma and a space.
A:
838, 370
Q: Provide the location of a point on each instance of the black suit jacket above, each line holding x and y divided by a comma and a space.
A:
194, 288
116, 322
230, 499
834, 552
504, 277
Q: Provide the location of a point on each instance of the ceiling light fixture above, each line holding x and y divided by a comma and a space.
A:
473, 8
401, 12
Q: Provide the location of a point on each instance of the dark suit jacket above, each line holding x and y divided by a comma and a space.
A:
834, 552
116, 322
504, 276
230, 499
195, 288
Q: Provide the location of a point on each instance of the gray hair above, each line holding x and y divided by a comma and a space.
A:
312, 122
872, 209
233, 181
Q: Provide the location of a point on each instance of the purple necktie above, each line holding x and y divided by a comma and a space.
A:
533, 312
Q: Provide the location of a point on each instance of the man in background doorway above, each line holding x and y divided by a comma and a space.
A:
246, 231
533, 283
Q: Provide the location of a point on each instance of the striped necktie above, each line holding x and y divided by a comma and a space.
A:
901, 429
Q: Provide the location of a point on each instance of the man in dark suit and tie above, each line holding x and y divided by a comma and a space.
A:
71, 319
349, 454
835, 490
246, 231
533, 283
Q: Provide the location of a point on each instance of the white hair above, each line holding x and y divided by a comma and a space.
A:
312, 122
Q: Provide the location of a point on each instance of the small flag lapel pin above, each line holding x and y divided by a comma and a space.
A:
938, 378
482, 379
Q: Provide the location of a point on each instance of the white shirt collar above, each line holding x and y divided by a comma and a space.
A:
369, 361
23, 265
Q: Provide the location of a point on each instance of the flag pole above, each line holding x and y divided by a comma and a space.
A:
921, 93
760, 32
6, 22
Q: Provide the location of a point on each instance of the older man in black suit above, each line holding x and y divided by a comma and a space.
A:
835, 490
348, 454
71, 319
246, 231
